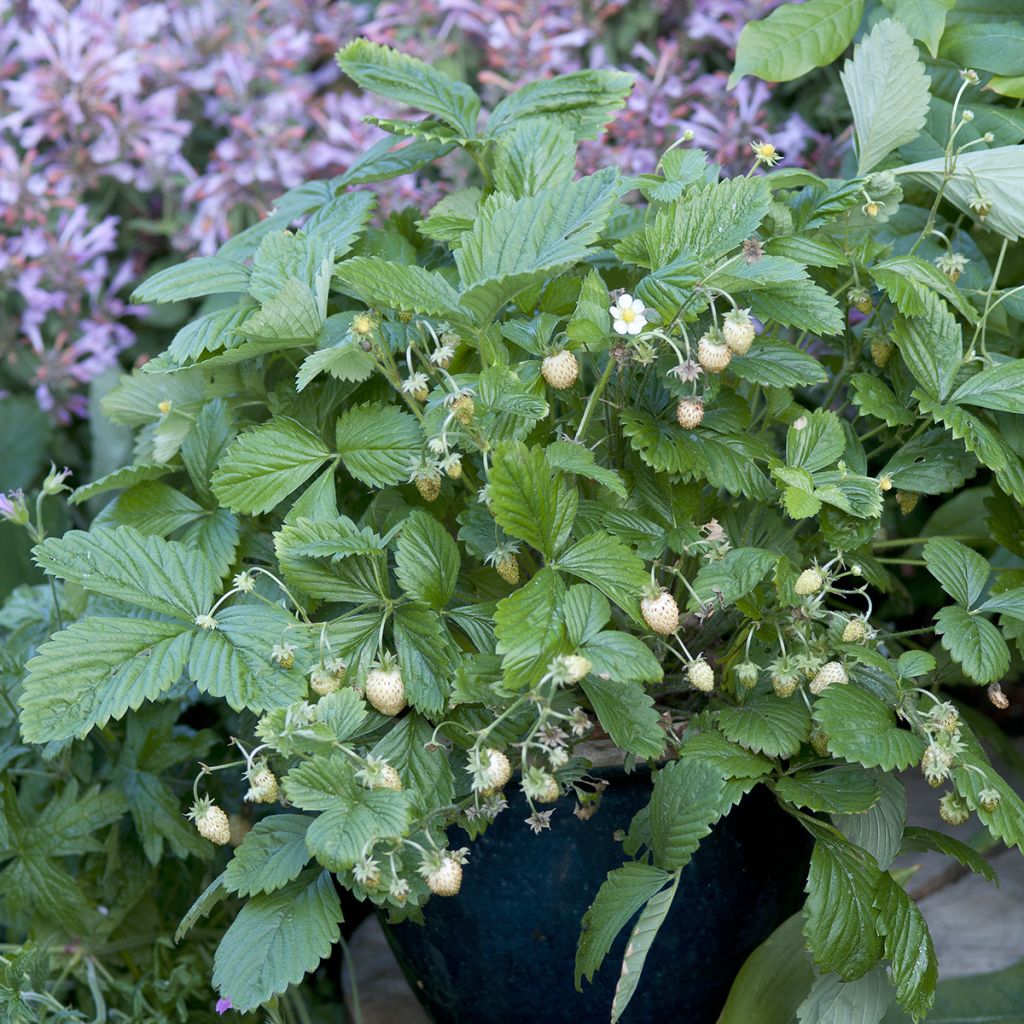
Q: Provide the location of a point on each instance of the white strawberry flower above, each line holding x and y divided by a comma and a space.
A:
628, 315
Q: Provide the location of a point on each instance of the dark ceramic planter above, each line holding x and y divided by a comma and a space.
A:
502, 952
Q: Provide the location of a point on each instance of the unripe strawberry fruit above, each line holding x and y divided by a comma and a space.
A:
819, 742
689, 413
738, 331
464, 408
263, 787
855, 631
560, 370
429, 486
387, 778
907, 501
508, 569
953, 809
810, 581
989, 799
385, 690
446, 879
701, 675
784, 684
661, 613
881, 352
212, 823
322, 682
499, 768
829, 673
550, 791
714, 357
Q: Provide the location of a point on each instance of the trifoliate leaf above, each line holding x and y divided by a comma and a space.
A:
973, 642
378, 443
271, 855
862, 729
767, 724
961, 572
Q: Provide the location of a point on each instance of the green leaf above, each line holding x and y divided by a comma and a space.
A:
387, 159
834, 1001
340, 836
640, 941
722, 583
887, 89
207, 333
931, 346
591, 323
961, 572
880, 829
619, 656
320, 782
340, 222
1000, 387
923, 19
98, 669
271, 855
379, 282
875, 398
582, 101
1008, 602
768, 725
995, 173
451, 216
687, 800
778, 364
378, 443
261, 467
1006, 821
276, 939
528, 501
862, 729
530, 629
233, 660
933, 463
626, 713
908, 947
345, 362
994, 46
908, 280
586, 612
574, 458
122, 563
151, 507
622, 894
423, 767
820, 443
800, 304
410, 82
203, 906
726, 758
796, 38
126, 476
844, 789
426, 560
424, 656
515, 243
926, 839
533, 156
203, 275
974, 643
839, 912
611, 566
773, 980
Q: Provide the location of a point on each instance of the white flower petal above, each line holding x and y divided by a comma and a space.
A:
638, 306
636, 326
614, 310
624, 301
620, 326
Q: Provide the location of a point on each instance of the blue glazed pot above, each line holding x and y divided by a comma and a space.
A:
503, 951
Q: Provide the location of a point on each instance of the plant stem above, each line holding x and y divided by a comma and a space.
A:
594, 396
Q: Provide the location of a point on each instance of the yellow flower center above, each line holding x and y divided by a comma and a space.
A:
627, 316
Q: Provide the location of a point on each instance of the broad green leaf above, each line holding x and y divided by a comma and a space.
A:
340, 221
378, 443
379, 282
687, 800
233, 661
778, 364
796, 38
207, 900
1000, 387
410, 82
834, 1001
530, 629
961, 572
844, 789
875, 398
926, 839
839, 912
207, 333
1008, 602
973, 642
346, 362
907, 280
574, 458
767, 724
817, 444
862, 729
800, 304
976, 999
261, 467
622, 894
887, 89
151, 507
533, 156
880, 829
586, 611
423, 767
641, 939
339, 837
202, 449
996, 46
294, 313
908, 947
722, 583
528, 501
582, 101
933, 463
276, 939
515, 243
931, 346
270, 856
923, 19
619, 656
728, 759
119, 479
1006, 820
203, 275
98, 669
426, 560
424, 656
390, 159
997, 174
320, 782
611, 566
626, 713
591, 323
452, 216
127, 565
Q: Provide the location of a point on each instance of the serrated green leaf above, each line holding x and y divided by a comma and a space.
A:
834, 1001
875, 398
961, 572
915, 838
574, 458
932, 463
611, 566
768, 725
533, 156
422, 766
276, 939
908, 947
378, 443
339, 837
126, 476
1000, 387
862, 729
722, 583
974, 643
778, 364
800, 304
424, 656
880, 829
923, 19
346, 362
908, 280
271, 855
203, 275
687, 800
379, 282
388, 159
625, 712
426, 560
530, 629
844, 789
931, 346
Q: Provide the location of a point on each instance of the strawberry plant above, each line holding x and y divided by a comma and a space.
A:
653, 459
